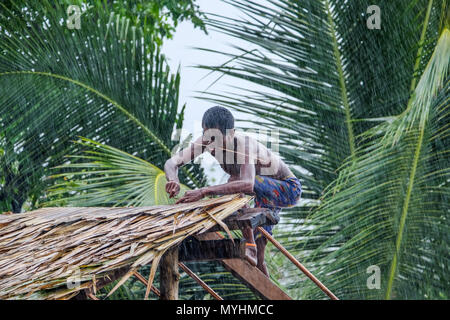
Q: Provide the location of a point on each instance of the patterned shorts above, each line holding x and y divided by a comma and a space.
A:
276, 194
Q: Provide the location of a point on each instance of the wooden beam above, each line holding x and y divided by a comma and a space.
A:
190, 273
193, 249
249, 275
145, 283
254, 279
249, 217
169, 275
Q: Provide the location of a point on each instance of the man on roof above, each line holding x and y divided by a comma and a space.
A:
253, 170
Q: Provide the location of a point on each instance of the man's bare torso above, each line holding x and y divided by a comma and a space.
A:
245, 149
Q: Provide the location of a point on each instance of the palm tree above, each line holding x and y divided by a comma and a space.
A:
340, 93
106, 81
391, 203
362, 116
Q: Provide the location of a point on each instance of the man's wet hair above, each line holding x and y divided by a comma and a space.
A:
218, 117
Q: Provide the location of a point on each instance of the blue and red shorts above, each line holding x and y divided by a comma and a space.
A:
276, 194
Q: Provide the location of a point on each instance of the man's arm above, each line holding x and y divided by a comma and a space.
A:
181, 158
242, 185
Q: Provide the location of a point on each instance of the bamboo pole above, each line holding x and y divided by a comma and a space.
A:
199, 281
145, 283
298, 264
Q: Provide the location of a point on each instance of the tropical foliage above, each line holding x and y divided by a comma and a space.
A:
392, 201
110, 178
106, 81
363, 120
362, 116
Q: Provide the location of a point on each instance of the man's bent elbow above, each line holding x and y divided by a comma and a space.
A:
248, 187
169, 165
170, 169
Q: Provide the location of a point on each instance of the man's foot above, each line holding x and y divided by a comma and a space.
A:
251, 253
263, 269
260, 248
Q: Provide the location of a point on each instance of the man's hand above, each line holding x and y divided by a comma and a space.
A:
172, 188
191, 196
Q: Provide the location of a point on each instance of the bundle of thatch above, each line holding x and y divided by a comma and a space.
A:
53, 253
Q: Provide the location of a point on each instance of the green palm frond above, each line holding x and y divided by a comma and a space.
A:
325, 80
390, 207
106, 81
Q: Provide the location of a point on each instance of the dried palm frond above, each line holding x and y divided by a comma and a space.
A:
52, 253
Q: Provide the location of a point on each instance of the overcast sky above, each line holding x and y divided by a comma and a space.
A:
179, 52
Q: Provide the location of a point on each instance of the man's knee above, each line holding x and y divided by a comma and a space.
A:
261, 244
262, 240
247, 232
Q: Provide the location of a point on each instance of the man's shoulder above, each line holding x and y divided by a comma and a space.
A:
249, 140
242, 137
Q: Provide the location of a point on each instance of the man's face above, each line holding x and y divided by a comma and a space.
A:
215, 138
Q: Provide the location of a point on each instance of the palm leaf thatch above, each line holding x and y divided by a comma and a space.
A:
45, 250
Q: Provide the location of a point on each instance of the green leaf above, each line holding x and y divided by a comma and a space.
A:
389, 206
106, 176
107, 82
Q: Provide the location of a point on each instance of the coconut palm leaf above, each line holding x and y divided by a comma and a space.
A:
322, 73
325, 79
106, 176
389, 208
106, 81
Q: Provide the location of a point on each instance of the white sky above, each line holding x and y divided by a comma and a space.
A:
179, 52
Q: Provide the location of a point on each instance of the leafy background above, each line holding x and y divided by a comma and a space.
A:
362, 116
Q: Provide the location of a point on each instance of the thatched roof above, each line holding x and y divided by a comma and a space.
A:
44, 253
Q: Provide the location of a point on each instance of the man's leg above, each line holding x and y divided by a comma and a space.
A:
261, 247
275, 194
261, 241
250, 246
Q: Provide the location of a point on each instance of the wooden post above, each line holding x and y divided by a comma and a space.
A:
251, 276
169, 275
